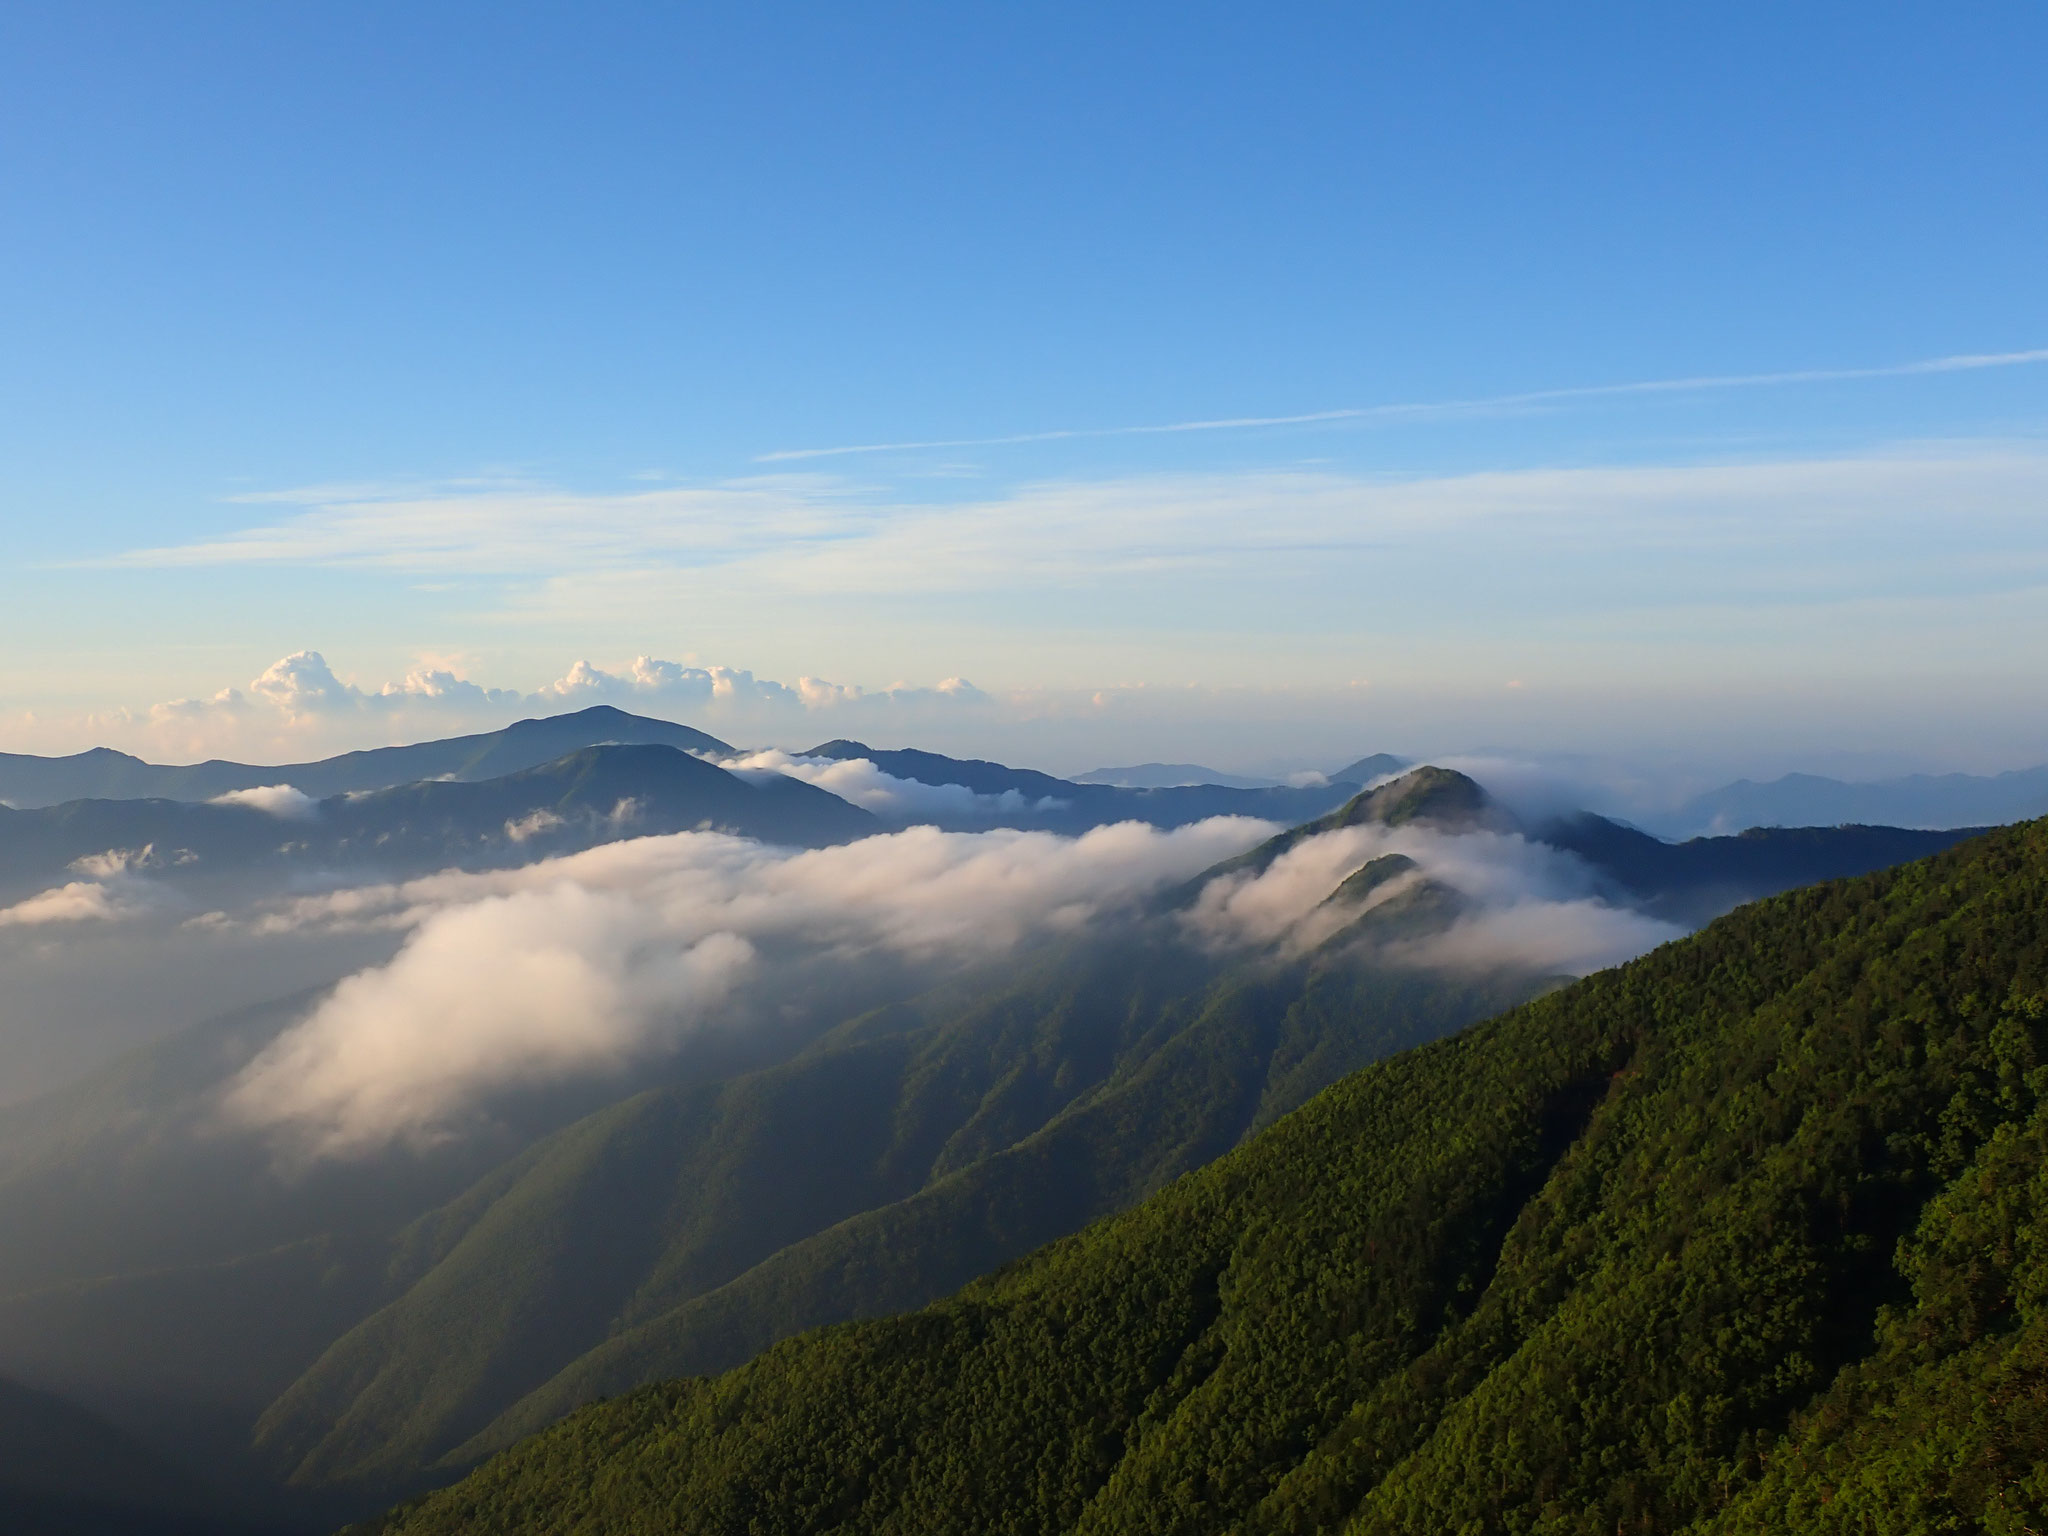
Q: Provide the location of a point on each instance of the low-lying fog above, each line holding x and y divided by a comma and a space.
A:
440, 992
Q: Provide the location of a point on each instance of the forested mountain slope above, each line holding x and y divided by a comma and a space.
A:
1746, 1235
909, 1151
1697, 880
902, 1155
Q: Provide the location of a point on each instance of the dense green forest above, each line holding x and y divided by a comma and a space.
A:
913, 1148
686, 1229
1745, 1235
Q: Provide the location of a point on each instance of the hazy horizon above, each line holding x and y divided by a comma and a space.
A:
300, 709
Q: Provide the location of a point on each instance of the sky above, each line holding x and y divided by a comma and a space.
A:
1074, 384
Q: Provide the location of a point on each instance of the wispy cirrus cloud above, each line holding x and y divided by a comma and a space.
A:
1911, 576
504, 531
1429, 409
811, 535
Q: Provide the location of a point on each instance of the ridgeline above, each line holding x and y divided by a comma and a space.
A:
1747, 1235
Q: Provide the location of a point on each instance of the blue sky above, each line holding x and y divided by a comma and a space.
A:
468, 342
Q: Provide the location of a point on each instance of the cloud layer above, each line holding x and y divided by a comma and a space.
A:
583, 963
1528, 905
299, 707
1878, 600
113, 888
867, 786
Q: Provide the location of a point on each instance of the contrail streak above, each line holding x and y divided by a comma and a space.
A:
1964, 363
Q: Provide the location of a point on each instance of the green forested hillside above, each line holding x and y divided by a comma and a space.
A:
359, 1328
1746, 1235
687, 1229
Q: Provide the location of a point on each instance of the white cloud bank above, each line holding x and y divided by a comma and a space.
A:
1528, 905
858, 780
582, 963
508, 990
113, 889
651, 681
76, 901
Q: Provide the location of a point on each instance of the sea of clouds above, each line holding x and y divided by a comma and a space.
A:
584, 963
462, 987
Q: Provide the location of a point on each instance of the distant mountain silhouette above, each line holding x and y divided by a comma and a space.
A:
1695, 881
592, 795
1169, 776
1366, 769
1945, 800
104, 774
1066, 805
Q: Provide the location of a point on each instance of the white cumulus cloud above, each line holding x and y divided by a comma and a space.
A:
78, 901
113, 889
279, 800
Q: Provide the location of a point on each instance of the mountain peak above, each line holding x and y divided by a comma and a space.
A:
1366, 769
1427, 796
1369, 877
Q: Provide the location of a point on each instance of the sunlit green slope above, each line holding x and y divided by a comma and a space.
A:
1746, 1235
685, 1230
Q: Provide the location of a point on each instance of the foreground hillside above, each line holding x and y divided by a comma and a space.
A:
685, 1230
1746, 1235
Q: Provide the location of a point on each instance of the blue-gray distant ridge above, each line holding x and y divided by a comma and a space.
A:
27, 781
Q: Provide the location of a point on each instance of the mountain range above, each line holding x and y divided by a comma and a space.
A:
423, 1307
1026, 797
291, 1342
1180, 775
1169, 776
1748, 1235
104, 774
591, 795
1809, 800
617, 784
1923, 801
